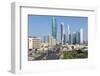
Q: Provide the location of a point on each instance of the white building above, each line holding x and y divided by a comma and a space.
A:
81, 36
30, 43
68, 29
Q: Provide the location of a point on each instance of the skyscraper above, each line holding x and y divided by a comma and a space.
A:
64, 41
68, 29
78, 37
62, 33
74, 38
81, 36
54, 28
69, 34
64, 38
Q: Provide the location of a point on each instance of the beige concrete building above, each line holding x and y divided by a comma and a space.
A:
34, 42
52, 41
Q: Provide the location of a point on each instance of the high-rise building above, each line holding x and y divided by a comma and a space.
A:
69, 39
78, 37
68, 28
74, 38
81, 36
62, 33
54, 28
64, 39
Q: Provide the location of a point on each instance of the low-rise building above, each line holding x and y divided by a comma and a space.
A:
34, 43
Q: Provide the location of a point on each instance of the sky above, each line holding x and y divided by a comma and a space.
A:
40, 25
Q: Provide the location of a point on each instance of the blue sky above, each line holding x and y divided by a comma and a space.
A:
40, 26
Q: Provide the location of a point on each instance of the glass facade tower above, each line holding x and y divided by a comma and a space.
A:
69, 38
62, 33
54, 28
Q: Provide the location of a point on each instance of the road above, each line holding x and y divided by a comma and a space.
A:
40, 57
50, 55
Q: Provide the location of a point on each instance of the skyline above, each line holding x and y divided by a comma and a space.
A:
44, 25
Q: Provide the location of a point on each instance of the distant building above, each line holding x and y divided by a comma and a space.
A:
51, 41
45, 39
81, 36
62, 33
64, 39
34, 42
54, 28
69, 38
78, 37
74, 38
30, 43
